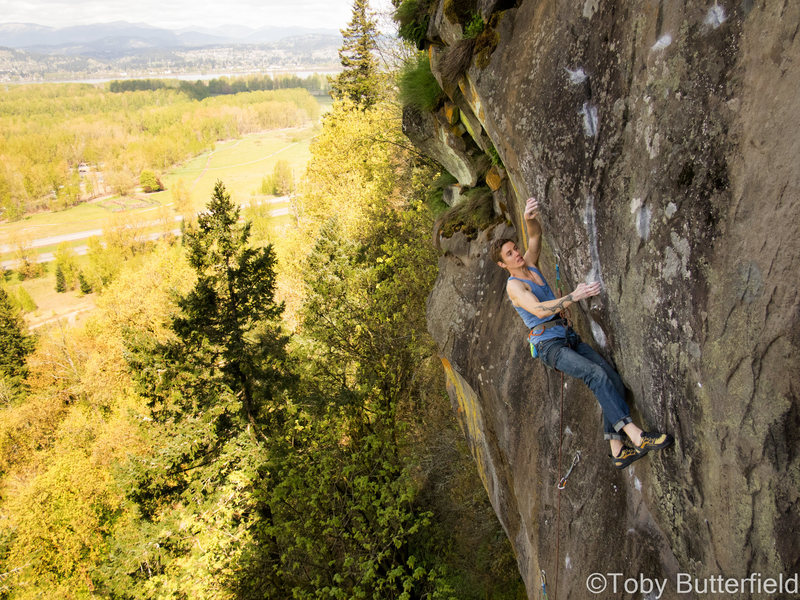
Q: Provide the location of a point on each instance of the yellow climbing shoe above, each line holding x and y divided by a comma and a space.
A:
652, 440
626, 456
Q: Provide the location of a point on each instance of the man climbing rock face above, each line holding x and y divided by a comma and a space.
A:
558, 346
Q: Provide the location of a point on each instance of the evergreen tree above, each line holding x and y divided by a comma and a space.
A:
15, 344
86, 288
231, 314
213, 390
61, 284
228, 356
359, 79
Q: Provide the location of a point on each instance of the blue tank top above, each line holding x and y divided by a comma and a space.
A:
543, 293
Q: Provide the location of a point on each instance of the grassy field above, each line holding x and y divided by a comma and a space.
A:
241, 164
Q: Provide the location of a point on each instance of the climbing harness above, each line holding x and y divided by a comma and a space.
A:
540, 329
563, 481
563, 319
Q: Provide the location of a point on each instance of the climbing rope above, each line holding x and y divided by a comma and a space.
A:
558, 511
562, 480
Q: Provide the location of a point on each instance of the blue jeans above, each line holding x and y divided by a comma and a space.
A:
578, 359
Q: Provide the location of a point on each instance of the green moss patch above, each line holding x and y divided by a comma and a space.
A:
470, 217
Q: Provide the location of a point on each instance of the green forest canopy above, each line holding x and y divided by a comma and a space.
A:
48, 131
246, 415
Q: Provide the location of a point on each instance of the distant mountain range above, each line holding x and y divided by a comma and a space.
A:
31, 37
30, 52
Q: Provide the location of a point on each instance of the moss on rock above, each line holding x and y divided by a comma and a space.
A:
469, 217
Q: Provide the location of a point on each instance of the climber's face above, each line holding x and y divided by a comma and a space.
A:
511, 256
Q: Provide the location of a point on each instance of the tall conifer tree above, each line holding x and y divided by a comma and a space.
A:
15, 344
359, 81
213, 392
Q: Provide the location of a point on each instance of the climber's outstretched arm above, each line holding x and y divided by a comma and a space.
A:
534, 232
521, 296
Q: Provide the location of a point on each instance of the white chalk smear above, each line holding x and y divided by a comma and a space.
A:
641, 217
589, 113
591, 229
598, 334
577, 76
715, 16
643, 222
663, 42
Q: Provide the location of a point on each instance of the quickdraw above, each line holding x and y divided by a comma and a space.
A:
563, 482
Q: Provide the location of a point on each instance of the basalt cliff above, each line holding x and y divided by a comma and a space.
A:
663, 142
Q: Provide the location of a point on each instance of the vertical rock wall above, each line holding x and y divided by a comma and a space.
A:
663, 140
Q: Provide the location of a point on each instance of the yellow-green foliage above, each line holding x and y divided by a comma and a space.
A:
281, 182
354, 166
352, 163
47, 131
66, 260
130, 470
59, 448
20, 298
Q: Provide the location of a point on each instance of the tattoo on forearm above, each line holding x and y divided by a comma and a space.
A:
560, 306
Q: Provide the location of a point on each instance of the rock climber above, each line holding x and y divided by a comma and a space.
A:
558, 346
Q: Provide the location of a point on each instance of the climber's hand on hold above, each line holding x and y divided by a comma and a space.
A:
586, 290
531, 209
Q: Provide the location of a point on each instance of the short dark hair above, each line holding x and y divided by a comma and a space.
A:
496, 249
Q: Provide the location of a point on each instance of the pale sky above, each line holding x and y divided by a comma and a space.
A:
176, 14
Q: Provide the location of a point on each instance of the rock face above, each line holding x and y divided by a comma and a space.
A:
662, 141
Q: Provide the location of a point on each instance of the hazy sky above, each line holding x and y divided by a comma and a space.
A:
175, 14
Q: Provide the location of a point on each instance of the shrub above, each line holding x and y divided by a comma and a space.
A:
474, 27
434, 198
413, 18
22, 300
150, 182
418, 86
283, 178
86, 288
281, 182
444, 179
